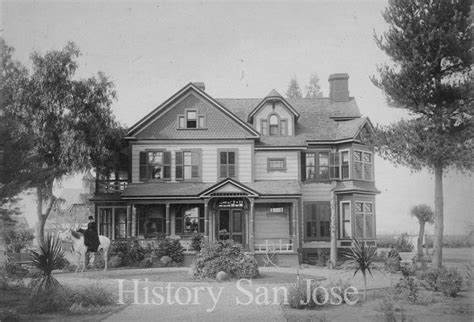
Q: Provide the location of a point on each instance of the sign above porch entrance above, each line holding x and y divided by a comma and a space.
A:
229, 188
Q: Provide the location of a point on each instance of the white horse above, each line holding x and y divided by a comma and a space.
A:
81, 249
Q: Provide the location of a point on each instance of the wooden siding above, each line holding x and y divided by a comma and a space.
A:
261, 164
209, 156
316, 191
270, 226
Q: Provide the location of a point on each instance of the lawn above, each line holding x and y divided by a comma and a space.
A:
435, 308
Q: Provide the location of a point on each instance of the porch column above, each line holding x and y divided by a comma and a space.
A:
134, 221
206, 218
294, 238
333, 253
168, 221
251, 227
128, 233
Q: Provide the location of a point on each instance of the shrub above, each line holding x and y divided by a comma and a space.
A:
130, 253
224, 256
390, 305
343, 285
18, 238
408, 288
298, 295
404, 244
196, 242
171, 248
63, 298
447, 281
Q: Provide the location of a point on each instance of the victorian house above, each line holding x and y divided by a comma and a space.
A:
274, 174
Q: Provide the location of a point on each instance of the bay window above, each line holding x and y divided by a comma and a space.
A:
364, 220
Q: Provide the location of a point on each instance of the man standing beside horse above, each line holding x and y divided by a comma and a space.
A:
91, 236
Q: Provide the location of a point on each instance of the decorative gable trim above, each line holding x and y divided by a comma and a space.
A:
367, 123
269, 99
153, 115
228, 187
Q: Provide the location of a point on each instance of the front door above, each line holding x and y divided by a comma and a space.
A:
231, 225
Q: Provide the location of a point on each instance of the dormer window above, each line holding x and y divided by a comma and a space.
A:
273, 125
191, 120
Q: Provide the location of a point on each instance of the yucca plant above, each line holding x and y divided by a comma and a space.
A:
361, 258
48, 258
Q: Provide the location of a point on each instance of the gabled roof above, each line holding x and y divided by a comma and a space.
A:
229, 187
191, 87
272, 96
320, 120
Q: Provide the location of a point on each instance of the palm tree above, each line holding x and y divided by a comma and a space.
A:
49, 257
361, 258
424, 214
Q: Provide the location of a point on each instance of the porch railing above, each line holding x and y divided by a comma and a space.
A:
274, 245
110, 186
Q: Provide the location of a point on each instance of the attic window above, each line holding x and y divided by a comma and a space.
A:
191, 120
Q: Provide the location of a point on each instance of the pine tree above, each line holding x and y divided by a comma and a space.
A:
429, 43
294, 90
313, 90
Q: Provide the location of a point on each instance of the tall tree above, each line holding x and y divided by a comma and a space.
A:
69, 122
429, 43
425, 215
294, 90
313, 90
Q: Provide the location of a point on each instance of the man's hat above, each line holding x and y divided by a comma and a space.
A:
91, 218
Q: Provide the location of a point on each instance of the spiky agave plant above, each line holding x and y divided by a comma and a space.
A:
48, 258
361, 258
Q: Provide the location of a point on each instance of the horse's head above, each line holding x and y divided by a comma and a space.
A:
75, 234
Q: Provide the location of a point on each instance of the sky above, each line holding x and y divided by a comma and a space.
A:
151, 49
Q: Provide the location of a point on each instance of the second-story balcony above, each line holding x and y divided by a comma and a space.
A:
110, 186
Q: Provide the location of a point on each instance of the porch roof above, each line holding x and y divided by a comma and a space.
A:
194, 189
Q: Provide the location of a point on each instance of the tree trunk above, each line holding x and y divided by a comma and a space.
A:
42, 216
365, 287
39, 214
420, 240
438, 220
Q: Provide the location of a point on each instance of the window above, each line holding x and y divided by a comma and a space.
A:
188, 165
364, 220
189, 219
345, 220
323, 165
334, 165
284, 127
112, 222
276, 164
155, 165
227, 164
273, 124
317, 217
362, 165
278, 209
264, 127
317, 166
151, 220
105, 222
120, 222
345, 164
191, 120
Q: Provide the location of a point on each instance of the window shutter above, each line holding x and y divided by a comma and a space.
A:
166, 165
303, 166
179, 165
143, 175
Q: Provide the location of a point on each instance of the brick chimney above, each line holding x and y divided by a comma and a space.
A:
200, 85
339, 87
